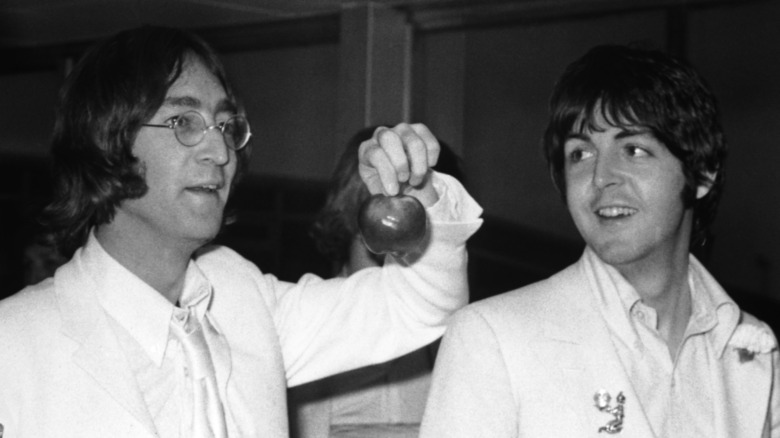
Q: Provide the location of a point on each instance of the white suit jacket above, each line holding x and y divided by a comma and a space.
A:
63, 373
528, 363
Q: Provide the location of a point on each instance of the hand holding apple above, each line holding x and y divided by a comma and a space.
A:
401, 156
395, 164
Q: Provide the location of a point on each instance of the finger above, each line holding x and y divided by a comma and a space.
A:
392, 142
416, 155
422, 151
376, 169
431, 143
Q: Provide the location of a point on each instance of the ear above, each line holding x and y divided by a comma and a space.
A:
705, 186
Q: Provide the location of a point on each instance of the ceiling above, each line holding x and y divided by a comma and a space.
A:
31, 27
40, 23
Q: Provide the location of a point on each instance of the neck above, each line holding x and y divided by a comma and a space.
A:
359, 258
159, 264
663, 285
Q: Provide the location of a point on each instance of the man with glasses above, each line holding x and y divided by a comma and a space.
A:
148, 332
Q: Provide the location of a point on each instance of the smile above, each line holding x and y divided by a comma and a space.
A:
207, 188
616, 212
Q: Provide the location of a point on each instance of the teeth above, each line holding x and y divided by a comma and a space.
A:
206, 188
616, 211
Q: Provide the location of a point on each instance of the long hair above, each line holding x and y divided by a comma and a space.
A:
117, 86
636, 87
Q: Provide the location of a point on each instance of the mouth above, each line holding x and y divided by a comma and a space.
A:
205, 188
615, 212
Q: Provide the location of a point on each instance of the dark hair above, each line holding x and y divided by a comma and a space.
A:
631, 86
336, 223
118, 85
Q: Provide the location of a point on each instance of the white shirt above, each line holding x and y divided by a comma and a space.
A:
672, 391
142, 325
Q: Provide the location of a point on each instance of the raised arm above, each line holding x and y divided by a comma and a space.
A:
330, 326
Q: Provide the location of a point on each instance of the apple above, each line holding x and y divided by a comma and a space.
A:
392, 224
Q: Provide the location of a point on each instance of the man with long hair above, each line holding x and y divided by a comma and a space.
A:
150, 332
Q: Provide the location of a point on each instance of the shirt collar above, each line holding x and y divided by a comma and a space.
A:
142, 311
712, 306
197, 294
614, 296
713, 311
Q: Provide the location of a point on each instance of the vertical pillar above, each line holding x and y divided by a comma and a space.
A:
375, 68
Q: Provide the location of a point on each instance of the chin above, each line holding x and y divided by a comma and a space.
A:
615, 253
203, 235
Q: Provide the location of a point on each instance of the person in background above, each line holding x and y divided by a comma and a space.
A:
636, 338
149, 331
387, 399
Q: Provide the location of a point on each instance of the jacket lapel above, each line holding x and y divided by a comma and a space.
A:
741, 392
577, 346
99, 354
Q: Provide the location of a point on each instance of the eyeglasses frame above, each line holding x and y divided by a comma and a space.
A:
221, 126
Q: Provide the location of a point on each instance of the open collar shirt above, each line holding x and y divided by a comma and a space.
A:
672, 391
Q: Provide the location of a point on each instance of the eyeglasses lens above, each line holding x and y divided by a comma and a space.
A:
190, 129
234, 132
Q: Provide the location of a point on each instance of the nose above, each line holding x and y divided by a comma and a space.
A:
214, 148
606, 171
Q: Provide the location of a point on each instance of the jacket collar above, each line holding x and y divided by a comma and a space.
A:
590, 362
99, 353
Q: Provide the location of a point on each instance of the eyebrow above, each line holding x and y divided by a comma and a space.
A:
224, 105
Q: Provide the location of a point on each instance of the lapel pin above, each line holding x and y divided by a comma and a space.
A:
603, 403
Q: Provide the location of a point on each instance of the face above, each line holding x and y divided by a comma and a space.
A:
624, 191
360, 257
188, 186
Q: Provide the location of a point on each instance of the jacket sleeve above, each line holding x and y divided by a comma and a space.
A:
773, 417
330, 326
471, 394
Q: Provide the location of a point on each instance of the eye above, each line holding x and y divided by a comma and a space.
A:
172, 122
228, 126
185, 121
636, 151
575, 155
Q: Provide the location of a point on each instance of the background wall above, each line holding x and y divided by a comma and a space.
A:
737, 48
507, 75
483, 88
290, 97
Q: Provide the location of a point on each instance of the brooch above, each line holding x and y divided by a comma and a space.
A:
603, 400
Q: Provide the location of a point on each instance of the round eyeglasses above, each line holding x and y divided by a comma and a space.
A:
190, 128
